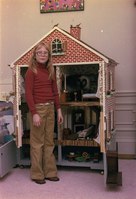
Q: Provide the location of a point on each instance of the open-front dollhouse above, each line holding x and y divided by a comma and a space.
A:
85, 79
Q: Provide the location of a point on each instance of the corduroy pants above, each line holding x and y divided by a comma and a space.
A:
43, 163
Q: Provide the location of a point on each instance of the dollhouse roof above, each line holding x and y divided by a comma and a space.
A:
76, 51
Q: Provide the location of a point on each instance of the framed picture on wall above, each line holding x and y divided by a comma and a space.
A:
51, 6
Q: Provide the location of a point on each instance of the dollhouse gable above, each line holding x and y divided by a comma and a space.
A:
67, 48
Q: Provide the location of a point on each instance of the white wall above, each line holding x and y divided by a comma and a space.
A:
107, 25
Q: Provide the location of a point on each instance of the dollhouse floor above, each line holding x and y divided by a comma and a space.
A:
75, 183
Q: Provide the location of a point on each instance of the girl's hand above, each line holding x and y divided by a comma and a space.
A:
36, 120
60, 116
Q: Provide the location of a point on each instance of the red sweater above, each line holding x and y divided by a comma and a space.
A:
40, 89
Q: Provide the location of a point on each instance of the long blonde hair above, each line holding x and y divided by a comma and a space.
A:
48, 64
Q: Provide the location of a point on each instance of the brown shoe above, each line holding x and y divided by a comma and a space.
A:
55, 179
39, 181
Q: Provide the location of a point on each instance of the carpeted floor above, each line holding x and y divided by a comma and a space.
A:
75, 183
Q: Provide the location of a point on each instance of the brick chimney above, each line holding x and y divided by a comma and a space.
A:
75, 31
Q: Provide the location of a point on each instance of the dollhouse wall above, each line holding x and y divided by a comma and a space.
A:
104, 26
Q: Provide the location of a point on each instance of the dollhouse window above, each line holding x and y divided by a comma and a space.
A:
112, 120
106, 80
57, 47
109, 126
109, 82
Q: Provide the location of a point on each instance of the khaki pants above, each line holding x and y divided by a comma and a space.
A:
43, 162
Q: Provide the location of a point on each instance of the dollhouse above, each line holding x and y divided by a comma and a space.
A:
85, 79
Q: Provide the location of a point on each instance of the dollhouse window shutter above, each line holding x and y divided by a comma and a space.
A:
53, 46
111, 81
110, 125
108, 82
112, 120
64, 46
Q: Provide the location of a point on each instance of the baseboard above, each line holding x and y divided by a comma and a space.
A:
127, 156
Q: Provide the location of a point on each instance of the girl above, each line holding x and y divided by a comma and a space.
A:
42, 97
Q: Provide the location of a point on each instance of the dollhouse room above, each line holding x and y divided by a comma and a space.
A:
92, 47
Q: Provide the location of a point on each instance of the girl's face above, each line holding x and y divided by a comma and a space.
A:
42, 55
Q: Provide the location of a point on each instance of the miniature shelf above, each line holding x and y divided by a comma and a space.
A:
92, 143
78, 143
95, 103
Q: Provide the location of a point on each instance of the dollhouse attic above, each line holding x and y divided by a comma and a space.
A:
67, 48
